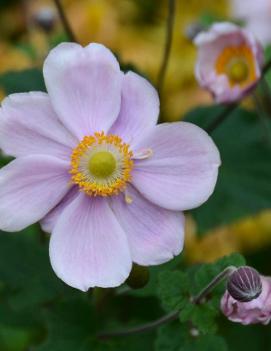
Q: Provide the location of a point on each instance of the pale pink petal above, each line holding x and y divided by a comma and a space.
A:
29, 188
88, 247
155, 235
182, 172
29, 125
49, 221
84, 85
139, 108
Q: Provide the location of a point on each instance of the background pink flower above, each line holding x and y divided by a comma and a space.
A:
94, 167
257, 17
229, 61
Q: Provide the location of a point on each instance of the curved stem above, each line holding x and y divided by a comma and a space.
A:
168, 44
230, 108
65, 21
218, 279
221, 117
173, 315
142, 328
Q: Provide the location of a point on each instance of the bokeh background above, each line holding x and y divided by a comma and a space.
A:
135, 31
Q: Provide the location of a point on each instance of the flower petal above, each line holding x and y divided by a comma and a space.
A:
182, 172
155, 235
29, 188
49, 221
139, 108
29, 125
84, 85
88, 247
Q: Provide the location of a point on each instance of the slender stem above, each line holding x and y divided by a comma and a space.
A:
168, 44
142, 328
65, 21
172, 315
221, 117
263, 117
218, 279
266, 67
230, 108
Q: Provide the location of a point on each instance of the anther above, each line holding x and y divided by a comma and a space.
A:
143, 154
128, 198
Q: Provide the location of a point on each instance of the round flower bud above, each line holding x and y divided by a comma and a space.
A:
45, 18
139, 277
245, 284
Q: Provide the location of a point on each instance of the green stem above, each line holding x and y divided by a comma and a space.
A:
263, 117
200, 298
217, 280
221, 117
65, 21
230, 108
141, 328
168, 45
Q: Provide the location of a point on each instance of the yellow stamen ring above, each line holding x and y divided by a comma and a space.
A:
101, 165
238, 64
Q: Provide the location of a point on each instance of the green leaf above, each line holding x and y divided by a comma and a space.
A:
14, 339
206, 343
202, 316
173, 289
73, 325
209, 271
151, 289
22, 81
177, 337
170, 337
25, 271
69, 327
243, 186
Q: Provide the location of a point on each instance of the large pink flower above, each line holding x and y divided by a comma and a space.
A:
229, 61
94, 167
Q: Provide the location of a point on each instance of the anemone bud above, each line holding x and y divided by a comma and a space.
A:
244, 284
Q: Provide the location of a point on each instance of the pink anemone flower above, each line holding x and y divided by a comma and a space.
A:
92, 165
229, 61
256, 15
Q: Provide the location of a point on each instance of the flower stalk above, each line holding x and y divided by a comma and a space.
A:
65, 22
198, 299
168, 45
231, 107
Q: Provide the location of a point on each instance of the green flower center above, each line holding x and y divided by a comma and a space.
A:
102, 164
238, 71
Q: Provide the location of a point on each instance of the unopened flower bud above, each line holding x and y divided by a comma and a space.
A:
245, 284
46, 18
193, 30
139, 277
237, 303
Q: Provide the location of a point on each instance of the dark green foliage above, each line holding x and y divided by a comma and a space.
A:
173, 289
23, 81
177, 289
243, 186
